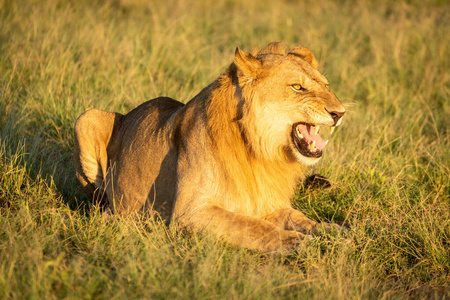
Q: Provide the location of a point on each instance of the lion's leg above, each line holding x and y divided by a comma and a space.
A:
93, 131
245, 231
292, 219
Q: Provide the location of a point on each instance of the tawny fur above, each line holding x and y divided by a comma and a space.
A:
225, 161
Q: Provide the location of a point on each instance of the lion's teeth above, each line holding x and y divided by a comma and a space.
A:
299, 133
312, 147
326, 142
331, 130
317, 130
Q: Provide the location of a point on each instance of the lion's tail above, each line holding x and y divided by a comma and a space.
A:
93, 132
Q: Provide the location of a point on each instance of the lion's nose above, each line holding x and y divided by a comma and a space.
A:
336, 115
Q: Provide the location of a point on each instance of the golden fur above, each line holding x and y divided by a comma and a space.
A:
226, 161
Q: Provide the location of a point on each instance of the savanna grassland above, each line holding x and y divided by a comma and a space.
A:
389, 162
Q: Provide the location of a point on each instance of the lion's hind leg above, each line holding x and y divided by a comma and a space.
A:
93, 132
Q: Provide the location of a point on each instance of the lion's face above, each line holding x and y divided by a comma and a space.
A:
291, 104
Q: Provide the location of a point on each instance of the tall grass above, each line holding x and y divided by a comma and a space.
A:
389, 162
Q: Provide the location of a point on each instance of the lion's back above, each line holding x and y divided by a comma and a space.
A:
142, 166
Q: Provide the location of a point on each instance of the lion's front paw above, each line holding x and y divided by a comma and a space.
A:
315, 182
283, 241
305, 226
292, 239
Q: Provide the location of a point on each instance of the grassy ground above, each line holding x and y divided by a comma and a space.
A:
389, 162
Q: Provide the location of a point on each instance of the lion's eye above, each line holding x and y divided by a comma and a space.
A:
298, 87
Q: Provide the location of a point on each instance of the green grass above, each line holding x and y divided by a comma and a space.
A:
389, 162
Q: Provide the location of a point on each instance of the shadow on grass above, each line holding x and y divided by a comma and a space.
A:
44, 149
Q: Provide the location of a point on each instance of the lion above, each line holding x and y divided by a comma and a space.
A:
228, 161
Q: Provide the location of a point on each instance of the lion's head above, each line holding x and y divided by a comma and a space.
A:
286, 101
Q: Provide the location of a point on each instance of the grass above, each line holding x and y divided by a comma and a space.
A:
389, 162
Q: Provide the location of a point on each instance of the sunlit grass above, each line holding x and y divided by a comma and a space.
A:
389, 162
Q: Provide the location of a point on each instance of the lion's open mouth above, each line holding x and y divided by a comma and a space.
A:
307, 140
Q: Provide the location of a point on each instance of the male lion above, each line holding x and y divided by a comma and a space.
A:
228, 161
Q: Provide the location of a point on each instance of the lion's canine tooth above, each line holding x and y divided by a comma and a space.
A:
312, 146
317, 130
299, 133
331, 130
326, 142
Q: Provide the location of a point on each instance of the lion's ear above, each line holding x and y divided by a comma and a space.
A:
306, 54
246, 63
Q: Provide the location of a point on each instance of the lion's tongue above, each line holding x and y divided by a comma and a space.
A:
309, 135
